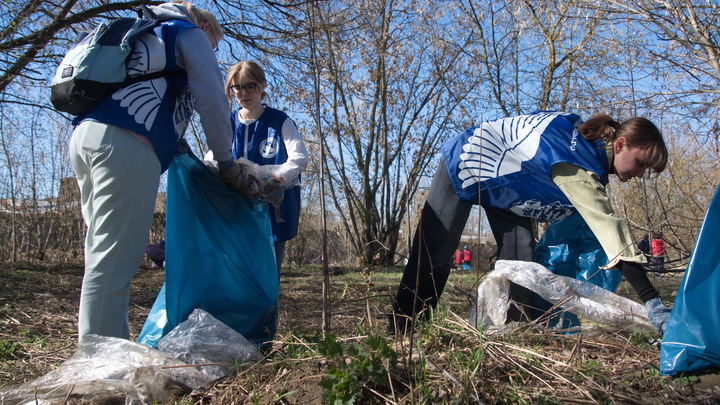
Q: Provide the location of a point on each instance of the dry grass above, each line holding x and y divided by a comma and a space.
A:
445, 361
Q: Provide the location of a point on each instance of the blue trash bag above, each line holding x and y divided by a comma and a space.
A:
154, 328
692, 337
219, 257
569, 248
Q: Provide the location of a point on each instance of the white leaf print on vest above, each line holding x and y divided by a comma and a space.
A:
184, 107
143, 99
504, 146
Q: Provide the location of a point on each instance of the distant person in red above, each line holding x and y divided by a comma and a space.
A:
458, 259
467, 256
658, 252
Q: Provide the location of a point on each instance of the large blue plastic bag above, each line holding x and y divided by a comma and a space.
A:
219, 257
569, 248
154, 328
692, 337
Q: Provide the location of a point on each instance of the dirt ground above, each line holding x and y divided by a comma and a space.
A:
38, 313
38, 321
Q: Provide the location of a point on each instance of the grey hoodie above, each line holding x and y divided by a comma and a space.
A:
171, 11
194, 54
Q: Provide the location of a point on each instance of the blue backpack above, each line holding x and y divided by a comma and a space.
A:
95, 65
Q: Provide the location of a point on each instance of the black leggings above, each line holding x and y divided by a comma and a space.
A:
436, 238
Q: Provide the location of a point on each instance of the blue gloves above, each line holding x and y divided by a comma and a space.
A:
658, 313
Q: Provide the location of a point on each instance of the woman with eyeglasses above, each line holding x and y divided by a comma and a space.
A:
268, 137
544, 166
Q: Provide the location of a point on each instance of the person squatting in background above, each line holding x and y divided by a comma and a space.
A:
270, 138
119, 149
546, 166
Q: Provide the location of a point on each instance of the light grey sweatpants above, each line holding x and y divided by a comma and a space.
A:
118, 176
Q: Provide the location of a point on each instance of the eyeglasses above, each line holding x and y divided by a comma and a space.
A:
249, 88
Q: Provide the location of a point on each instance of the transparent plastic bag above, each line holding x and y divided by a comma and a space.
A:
118, 369
111, 368
262, 172
202, 339
581, 298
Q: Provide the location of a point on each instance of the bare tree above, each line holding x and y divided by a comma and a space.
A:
532, 55
395, 79
386, 106
679, 55
685, 42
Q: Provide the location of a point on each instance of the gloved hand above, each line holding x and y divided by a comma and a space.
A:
658, 313
274, 190
236, 176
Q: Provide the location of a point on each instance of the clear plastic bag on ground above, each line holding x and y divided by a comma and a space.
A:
112, 369
583, 299
202, 339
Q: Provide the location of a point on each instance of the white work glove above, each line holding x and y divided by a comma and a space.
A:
658, 313
274, 190
236, 176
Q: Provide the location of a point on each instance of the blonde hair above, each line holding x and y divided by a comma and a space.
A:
246, 68
200, 16
638, 132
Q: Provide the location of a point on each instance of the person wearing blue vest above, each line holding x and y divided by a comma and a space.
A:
120, 148
543, 166
269, 138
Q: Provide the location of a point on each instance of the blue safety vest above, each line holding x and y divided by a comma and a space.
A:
510, 159
159, 109
265, 146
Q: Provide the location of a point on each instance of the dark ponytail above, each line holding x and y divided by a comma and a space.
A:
599, 126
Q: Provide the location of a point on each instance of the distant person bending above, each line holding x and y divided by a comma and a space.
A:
659, 253
546, 166
467, 256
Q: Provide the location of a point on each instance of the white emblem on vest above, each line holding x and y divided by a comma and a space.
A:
268, 148
543, 213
